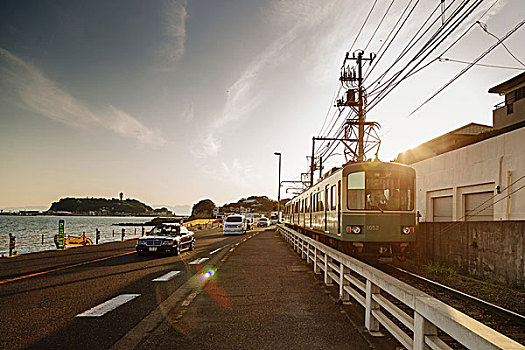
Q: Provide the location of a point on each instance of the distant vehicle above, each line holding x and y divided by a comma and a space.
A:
166, 238
234, 224
263, 222
273, 219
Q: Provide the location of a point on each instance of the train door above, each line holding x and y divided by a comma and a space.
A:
304, 212
339, 208
326, 204
310, 208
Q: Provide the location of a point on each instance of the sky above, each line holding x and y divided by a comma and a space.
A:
174, 101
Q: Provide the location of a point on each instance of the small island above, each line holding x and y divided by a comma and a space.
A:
104, 207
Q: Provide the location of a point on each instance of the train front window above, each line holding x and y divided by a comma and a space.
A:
382, 190
356, 190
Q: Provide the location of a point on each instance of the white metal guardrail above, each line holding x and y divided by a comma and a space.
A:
368, 286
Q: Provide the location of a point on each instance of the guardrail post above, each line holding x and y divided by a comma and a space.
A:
422, 328
97, 235
12, 245
327, 279
343, 295
302, 249
316, 262
371, 323
307, 252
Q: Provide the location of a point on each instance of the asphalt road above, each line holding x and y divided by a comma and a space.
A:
42, 294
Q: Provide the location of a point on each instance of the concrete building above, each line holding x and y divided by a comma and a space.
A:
476, 172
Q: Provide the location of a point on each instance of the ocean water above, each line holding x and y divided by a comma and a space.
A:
28, 230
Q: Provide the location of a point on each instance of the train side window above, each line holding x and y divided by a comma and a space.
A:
333, 202
320, 201
356, 190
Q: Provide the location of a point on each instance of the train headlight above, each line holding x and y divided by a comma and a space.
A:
355, 229
407, 230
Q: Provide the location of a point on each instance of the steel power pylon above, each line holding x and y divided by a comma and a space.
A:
366, 133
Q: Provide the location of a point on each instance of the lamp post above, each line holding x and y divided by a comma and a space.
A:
279, 189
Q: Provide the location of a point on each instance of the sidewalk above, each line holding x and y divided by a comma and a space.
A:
262, 297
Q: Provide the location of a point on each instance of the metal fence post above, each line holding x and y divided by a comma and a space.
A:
123, 233
422, 328
371, 323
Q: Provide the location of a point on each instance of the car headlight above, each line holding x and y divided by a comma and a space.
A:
141, 242
355, 229
407, 230
167, 242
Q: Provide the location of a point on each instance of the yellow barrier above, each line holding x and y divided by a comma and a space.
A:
199, 223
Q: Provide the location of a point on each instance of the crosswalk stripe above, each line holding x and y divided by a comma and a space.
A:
108, 306
166, 277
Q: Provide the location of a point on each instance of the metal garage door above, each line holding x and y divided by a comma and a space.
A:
442, 207
479, 206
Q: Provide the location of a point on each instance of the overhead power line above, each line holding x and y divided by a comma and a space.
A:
451, 24
512, 31
444, 59
485, 29
364, 23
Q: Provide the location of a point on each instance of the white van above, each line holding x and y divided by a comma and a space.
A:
234, 224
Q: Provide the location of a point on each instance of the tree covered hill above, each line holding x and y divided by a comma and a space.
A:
252, 204
100, 206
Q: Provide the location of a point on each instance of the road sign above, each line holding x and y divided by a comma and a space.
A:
61, 238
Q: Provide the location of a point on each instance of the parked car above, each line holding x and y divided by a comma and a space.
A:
263, 222
166, 238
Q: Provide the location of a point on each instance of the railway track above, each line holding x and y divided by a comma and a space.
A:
506, 322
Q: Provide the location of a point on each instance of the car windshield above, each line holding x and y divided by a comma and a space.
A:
234, 219
165, 231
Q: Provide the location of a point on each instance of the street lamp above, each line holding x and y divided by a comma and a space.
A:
279, 189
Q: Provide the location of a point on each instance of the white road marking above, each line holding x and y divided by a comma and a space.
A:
198, 261
216, 250
166, 277
108, 306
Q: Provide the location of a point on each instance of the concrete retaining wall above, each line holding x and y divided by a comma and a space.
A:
493, 249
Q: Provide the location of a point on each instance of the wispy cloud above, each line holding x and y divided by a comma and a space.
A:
243, 96
188, 113
175, 29
37, 93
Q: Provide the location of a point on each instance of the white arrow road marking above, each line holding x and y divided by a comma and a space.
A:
108, 306
166, 277
198, 261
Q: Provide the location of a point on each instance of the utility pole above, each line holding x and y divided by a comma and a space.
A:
349, 78
312, 162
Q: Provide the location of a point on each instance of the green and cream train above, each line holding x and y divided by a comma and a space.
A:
364, 209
